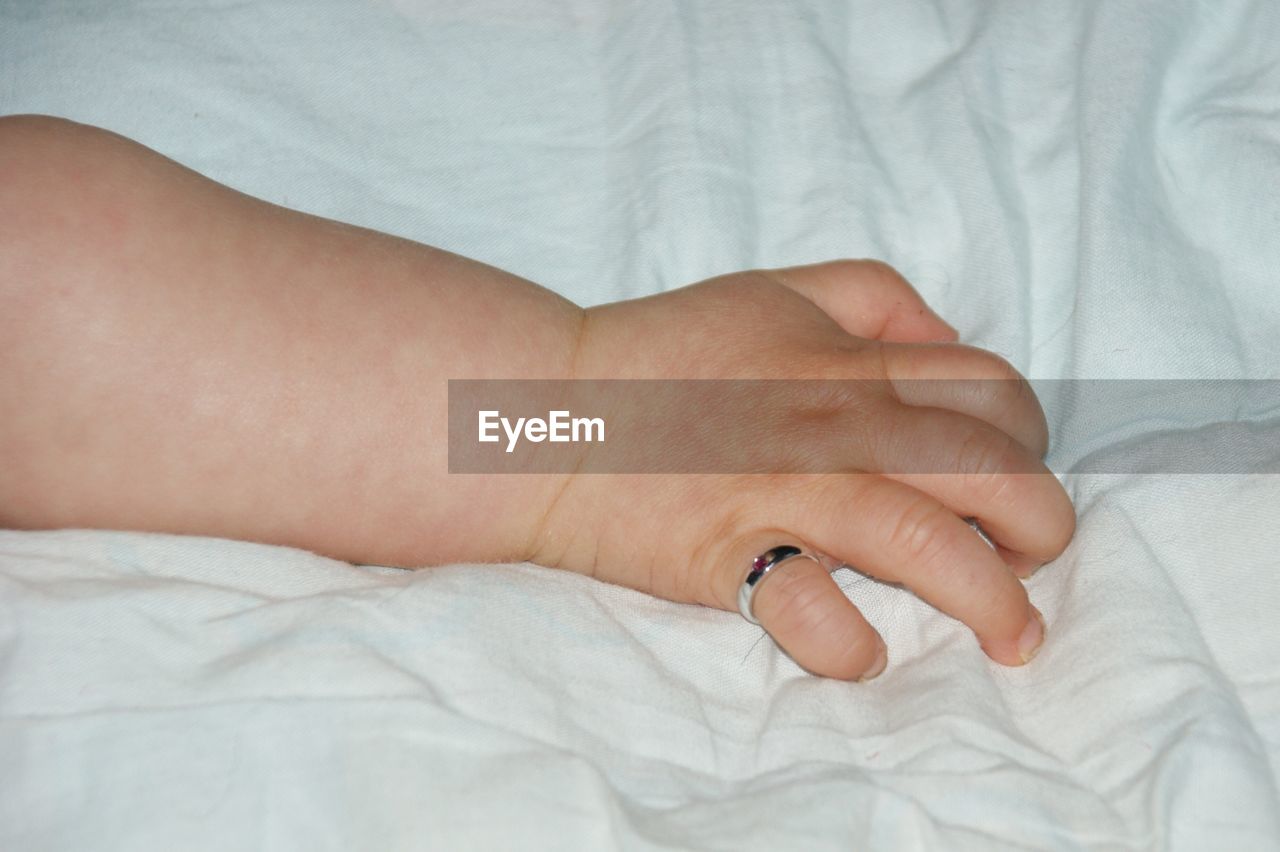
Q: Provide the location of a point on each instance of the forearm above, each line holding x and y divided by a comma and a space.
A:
180, 357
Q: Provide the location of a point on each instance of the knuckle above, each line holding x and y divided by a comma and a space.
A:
985, 364
918, 533
985, 456
1003, 612
797, 603
1008, 396
849, 654
990, 372
992, 472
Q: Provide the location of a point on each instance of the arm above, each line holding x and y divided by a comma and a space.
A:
180, 357
177, 356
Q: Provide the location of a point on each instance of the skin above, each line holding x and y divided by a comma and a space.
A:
177, 356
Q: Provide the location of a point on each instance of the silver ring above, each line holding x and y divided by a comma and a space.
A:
982, 534
761, 566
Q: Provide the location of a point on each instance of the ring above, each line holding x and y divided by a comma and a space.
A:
982, 534
760, 568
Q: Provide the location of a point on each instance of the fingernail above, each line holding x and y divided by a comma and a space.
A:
1030, 572
1032, 637
882, 660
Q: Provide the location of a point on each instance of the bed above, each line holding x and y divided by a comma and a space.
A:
1090, 189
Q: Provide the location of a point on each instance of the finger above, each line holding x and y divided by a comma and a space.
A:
979, 471
971, 381
894, 532
803, 610
868, 299
810, 618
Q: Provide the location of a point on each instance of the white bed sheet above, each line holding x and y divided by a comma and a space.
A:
1088, 188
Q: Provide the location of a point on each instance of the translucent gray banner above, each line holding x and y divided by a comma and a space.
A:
1111, 426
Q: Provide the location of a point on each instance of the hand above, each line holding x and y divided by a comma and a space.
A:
692, 538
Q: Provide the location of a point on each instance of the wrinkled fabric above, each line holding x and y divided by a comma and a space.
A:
1086, 188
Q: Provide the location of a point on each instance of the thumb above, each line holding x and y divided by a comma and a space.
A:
868, 299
